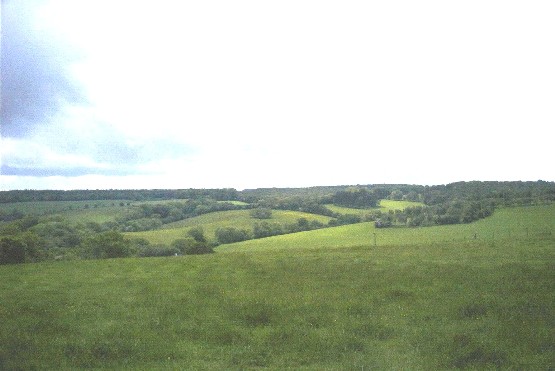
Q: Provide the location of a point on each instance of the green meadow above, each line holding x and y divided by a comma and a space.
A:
384, 206
75, 211
506, 223
62, 207
470, 296
210, 222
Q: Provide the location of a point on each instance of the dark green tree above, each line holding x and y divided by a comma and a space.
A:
198, 234
190, 246
106, 245
356, 198
231, 235
12, 251
261, 213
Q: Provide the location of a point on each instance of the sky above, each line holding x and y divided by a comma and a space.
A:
99, 94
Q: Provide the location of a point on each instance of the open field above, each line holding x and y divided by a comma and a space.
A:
428, 298
240, 219
504, 224
384, 206
59, 207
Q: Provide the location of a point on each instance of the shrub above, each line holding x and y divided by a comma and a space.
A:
198, 234
12, 251
261, 213
106, 245
189, 246
158, 250
382, 223
230, 235
265, 229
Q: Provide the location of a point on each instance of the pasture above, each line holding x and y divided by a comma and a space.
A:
384, 206
427, 298
240, 219
107, 207
506, 223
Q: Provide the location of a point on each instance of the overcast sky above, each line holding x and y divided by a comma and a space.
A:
246, 94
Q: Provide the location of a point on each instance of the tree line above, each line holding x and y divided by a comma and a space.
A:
224, 194
32, 238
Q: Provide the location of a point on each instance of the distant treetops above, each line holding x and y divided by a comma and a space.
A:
358, 198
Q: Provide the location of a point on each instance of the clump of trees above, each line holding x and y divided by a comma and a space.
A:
231, 235
181, 246
19, 249
358, 198
25, 237
106, 245
453, 212
261, 213
152, 216
222, 194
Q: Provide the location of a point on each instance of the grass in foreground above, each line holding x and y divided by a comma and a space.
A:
454, 304
346, 309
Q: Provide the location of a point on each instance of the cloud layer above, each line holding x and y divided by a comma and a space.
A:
36, 81
248, 94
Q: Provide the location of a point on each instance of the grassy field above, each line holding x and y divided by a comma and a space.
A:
384, 206
239, 203
210, 222
428, 298
504, 224
62, 207
74, 211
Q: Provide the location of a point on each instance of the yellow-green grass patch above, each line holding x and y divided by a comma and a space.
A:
384, 206
210, 222
505, 223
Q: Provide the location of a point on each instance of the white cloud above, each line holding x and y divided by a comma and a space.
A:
254, 93
22, 153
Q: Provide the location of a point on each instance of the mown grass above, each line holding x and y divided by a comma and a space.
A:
240, 219
384, 206
476, 304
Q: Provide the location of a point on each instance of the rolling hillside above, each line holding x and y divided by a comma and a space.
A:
210, 222
384, 206
427, 298
505, 224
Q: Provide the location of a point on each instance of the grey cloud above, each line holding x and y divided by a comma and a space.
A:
106, 152
62, 171
35, 82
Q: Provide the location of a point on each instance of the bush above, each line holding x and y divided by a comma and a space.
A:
24, 248
261, 213
12, 251
356, 198
198, 234
231, 235
382, 223
158, 250
265, 229
106, 245
189, 246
